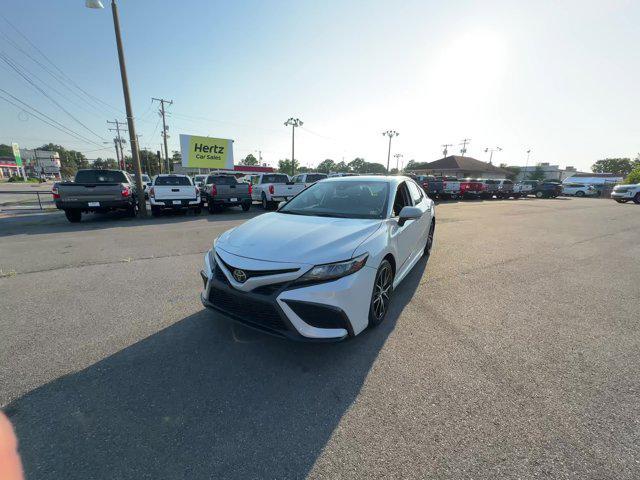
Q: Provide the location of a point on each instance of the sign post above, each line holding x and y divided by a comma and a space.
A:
16, 155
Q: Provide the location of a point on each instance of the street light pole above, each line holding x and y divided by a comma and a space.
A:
390, 134
397, 156
497, 149
142, 204
294, 122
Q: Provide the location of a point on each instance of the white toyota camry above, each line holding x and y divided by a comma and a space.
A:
324, 265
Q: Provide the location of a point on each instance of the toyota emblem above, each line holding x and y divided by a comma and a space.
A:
239, 275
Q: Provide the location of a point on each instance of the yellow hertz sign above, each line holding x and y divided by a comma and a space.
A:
206, 152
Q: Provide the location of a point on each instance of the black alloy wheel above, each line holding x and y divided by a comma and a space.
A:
381, 295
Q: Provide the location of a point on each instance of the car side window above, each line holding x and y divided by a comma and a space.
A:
403, 199
416, 192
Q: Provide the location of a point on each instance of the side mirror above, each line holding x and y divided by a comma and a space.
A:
408, 213
281, 204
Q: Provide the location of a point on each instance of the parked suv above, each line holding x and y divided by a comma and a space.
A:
624, 193
579, 190
547, 190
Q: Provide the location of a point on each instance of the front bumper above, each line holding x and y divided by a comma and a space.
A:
622, 195
329, 311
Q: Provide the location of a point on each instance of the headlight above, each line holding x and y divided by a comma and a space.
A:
333, 271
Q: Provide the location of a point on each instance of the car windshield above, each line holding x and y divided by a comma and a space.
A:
363, 199
172, 181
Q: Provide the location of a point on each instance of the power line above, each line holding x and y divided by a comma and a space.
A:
50, 121
69, 79
12, 65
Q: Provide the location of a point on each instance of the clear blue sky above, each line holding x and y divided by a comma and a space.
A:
557, 77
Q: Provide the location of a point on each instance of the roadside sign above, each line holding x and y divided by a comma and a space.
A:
206, 152
16, 154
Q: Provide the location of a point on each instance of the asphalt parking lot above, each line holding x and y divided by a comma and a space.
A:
513, 353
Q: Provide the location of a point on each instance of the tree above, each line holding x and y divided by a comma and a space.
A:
634, 176
375, 168
342, 167
284, 166
6, 150
537, 174
249, 160
149, 162
393, 171
413, 165
514, 171
70, 160
106, 164
619, 166
356, 165
326, 166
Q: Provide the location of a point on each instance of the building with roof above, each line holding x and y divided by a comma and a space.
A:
594, 178
551, 172
462, 167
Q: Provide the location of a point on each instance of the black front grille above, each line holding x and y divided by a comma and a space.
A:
258, 273
245, 308
321, 316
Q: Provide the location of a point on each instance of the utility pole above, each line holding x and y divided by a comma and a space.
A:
117, 130
390, 134
496, 149
294, 122
464, 143
397, 156
526, 165
164, 128
445, 148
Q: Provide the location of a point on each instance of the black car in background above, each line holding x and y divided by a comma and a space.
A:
547, 189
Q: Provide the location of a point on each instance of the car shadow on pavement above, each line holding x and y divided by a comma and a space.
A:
204, 398
56, 222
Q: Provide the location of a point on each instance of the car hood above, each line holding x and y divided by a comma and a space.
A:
280, 237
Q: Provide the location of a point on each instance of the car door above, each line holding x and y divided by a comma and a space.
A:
421, 226
405, 236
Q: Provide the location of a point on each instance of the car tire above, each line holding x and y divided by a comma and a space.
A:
539, 194
636, 199
265, 203
579, 193
622, 201
430, 239
74, 216
155, 211
197, 211
381, 294
211, 207
246, 206
132, 211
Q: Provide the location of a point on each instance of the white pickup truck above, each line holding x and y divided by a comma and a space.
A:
624, 193
271, 188
174, 192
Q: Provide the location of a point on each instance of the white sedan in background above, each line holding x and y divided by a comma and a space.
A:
324, 266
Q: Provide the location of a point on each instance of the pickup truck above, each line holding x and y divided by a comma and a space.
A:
450, 187
471, 188
221, 191
309, 178
624, 193
96, 191
505, 189
174, 192
431, 185
272, 188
